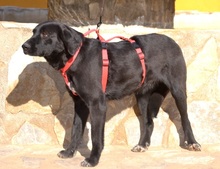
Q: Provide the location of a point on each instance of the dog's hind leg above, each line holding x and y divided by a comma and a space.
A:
147, 122
179, 94
157, 98
149, 105
79, 122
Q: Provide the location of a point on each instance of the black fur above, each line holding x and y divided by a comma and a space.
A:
166, 71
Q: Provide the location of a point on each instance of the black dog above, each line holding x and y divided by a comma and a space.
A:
166, 71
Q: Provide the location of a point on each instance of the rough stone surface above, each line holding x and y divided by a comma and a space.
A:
34, 98
30, 134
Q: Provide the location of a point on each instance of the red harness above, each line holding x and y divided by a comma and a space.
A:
105, 60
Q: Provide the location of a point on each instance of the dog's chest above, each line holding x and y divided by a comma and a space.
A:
71, 88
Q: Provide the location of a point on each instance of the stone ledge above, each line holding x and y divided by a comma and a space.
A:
197, 20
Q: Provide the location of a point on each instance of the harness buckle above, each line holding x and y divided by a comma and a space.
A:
140, 53
134, 44
104, 45
105, 62
141, 56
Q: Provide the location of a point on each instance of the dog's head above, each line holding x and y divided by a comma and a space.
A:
54, 41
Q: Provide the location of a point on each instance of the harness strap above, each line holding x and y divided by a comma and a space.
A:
139, 52
105, 64
141, 58
67, 66
105, 60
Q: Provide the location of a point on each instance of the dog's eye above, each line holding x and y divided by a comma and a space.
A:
44, 34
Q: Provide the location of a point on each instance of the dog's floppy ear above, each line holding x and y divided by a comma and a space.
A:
71, 39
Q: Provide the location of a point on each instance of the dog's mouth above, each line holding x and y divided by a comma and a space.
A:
28, 50
25, 51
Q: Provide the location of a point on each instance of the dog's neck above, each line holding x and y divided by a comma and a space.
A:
57, 60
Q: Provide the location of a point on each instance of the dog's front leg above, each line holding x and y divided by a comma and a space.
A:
97, 114
80, 118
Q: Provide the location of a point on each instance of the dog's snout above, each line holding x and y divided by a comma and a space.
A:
26, 46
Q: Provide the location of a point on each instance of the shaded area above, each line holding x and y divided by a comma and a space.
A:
41, 90
36, 79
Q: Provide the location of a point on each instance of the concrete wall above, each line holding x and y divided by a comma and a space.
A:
35, 107
25, 15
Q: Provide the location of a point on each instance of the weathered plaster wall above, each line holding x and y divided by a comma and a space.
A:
35, 107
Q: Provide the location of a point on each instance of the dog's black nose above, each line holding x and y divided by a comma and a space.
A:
26, 47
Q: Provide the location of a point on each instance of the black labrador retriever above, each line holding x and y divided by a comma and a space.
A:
166, 71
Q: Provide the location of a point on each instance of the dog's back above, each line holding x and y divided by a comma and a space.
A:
163, 59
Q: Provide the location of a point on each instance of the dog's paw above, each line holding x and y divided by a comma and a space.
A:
88, 163
193, 147
66, 154
139, 148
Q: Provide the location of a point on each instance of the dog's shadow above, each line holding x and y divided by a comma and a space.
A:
40, 83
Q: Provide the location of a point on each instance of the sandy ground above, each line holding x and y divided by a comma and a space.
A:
113, 157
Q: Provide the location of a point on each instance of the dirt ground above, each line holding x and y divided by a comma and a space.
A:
113, 157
